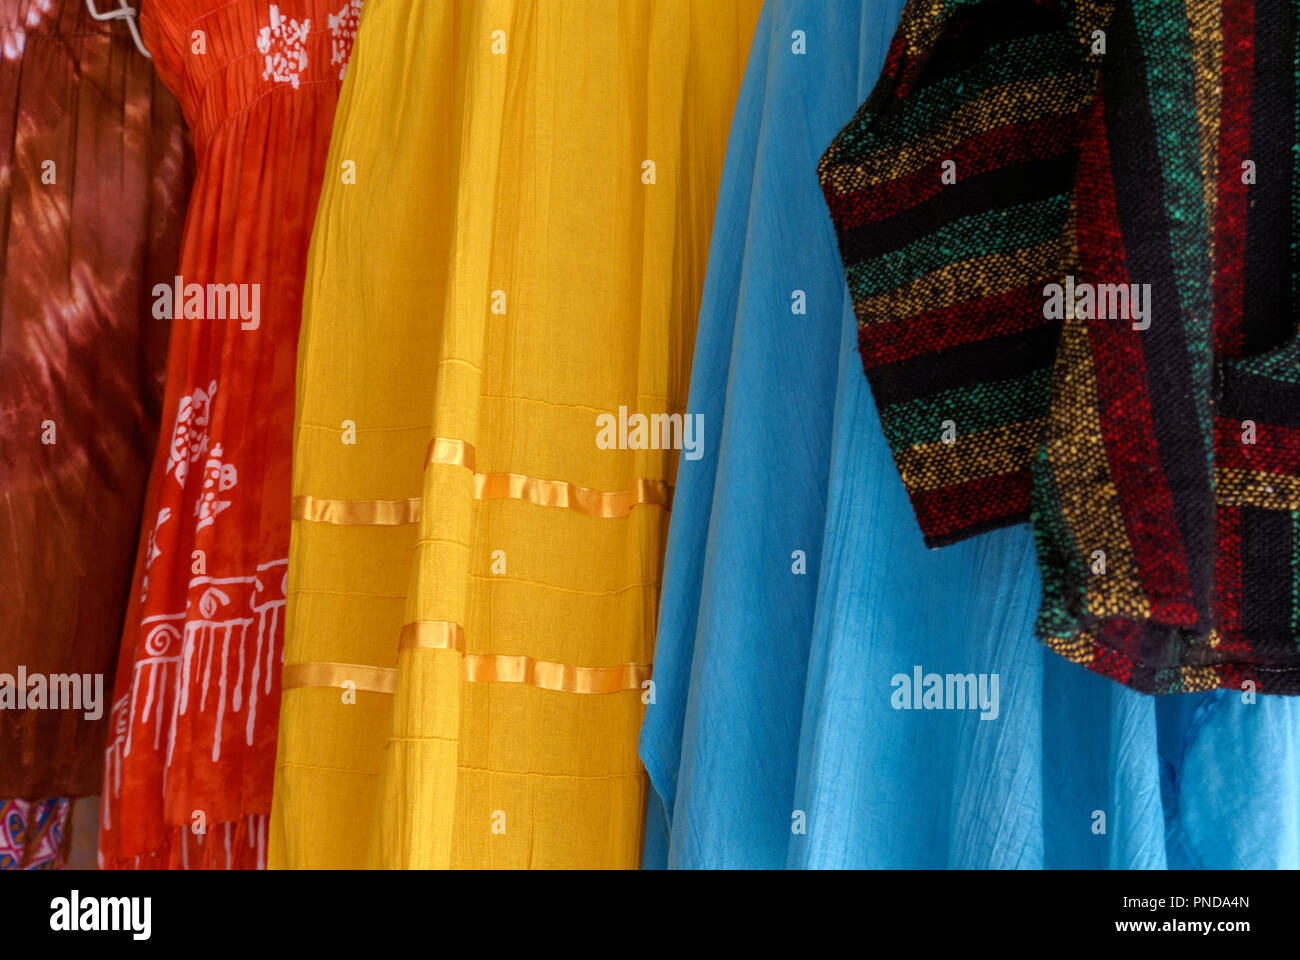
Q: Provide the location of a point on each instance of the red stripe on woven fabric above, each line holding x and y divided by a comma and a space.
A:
974, 505
896, 63
1122, 648
1145, 500
1235, 675
1234, 147
951, 326
1275, 450
1227, 579
1003, 146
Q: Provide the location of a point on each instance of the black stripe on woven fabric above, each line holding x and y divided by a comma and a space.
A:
1248, 396
970, 32
966, 364
1144, 226
1266, 576
1158, 647
1267, 317
993, 189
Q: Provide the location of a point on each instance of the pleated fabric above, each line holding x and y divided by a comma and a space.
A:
778, 736
188, 771
95, 170
474, 578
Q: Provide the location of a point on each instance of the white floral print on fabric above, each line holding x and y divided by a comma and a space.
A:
190, 435
284, 46
216, 656
343, 30
218, 477
191, 444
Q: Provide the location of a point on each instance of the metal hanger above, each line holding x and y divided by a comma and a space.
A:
123, 12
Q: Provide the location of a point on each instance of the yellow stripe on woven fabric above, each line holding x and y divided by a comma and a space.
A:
1256, 488
1204, 20
1088, 17
1081, 474
990, 453
966, 280
1198, 679
1077, 648
1021, 101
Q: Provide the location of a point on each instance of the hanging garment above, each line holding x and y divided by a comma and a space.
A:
189, 768
94, 174
477, 544
820, 764
1069, 236
31, 833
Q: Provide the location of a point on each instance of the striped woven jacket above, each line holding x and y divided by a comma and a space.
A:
1069, 232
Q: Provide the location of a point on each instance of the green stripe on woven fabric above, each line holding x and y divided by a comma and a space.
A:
1000, 230
1280, 364
1065, 579
1048, 57
1165, 38
974, 409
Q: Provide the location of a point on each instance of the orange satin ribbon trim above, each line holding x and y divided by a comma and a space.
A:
560, 493
432, 635
548, 493
323, 673
378, 513
476, 668
453, 453
501, 668
487, 486
555, 676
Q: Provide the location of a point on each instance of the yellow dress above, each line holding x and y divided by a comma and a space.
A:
510, 243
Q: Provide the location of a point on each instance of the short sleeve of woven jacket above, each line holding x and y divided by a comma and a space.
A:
951, 194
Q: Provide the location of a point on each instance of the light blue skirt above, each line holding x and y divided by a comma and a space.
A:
799, 605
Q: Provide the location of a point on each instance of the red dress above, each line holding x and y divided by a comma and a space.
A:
94, 176
189, 763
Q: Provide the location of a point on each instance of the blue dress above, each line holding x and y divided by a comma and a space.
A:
799, 603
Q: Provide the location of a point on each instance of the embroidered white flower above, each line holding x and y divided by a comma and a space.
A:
284, 46
343, 30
